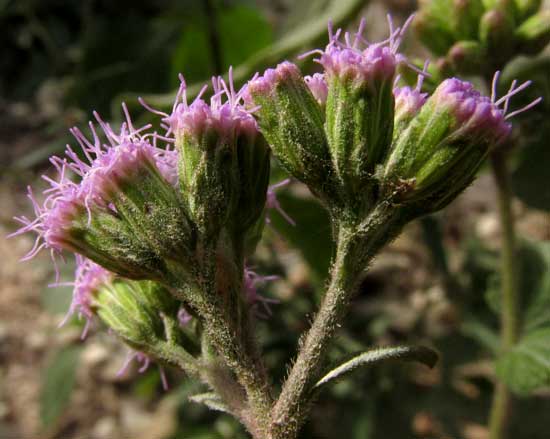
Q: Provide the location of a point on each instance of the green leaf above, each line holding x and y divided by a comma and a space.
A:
58, 383
303, 36
236, 26
211, 400
192, 55
526, 367
419, 354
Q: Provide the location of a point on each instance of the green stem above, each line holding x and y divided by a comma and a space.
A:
509, 309
176, 355
356, 246
228, 328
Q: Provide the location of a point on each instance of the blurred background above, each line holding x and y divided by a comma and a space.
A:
61, 59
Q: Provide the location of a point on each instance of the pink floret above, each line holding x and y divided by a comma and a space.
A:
266, 84
102, 164
318, 87
89, 277
225, 113
352, 56
408, 100
251, 282
475, 114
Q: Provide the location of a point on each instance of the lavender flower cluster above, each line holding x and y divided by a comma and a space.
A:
304, 119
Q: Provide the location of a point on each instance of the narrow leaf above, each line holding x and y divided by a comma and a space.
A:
58, 384
419, 354
211, 400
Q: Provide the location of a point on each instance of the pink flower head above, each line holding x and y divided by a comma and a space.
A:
354, 57
251, 282
228, 111
266, 83
409, 100
225, 114
318, 87
272, 202
89, 277
477, 114
98, 175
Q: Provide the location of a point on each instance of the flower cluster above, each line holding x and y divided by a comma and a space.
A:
477, 37
356, 58
354, 135
100, 178
162, 222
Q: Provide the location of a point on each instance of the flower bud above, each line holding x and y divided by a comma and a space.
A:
526, 8
408, 102
433, 26
123, 213
318, 87
467, 57
224, 161
89, 277
465, 15
360, 104
134, 310
440, 151
131, 308
496, 33
534, 34
291, 120
359, 107
252, 155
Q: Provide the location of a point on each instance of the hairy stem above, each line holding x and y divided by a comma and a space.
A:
227, 327
177, 356
243, 360
356, 246
509, 310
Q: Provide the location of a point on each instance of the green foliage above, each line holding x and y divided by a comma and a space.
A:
237, 25
304, 34
57, 384
211, 400
194, 55
373, 357
191, 55
526, 367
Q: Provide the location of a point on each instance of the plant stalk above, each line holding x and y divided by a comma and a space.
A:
501, 405
227, 327
356, 245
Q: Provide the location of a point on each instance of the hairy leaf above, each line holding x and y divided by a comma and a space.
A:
419, 354
211, 400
